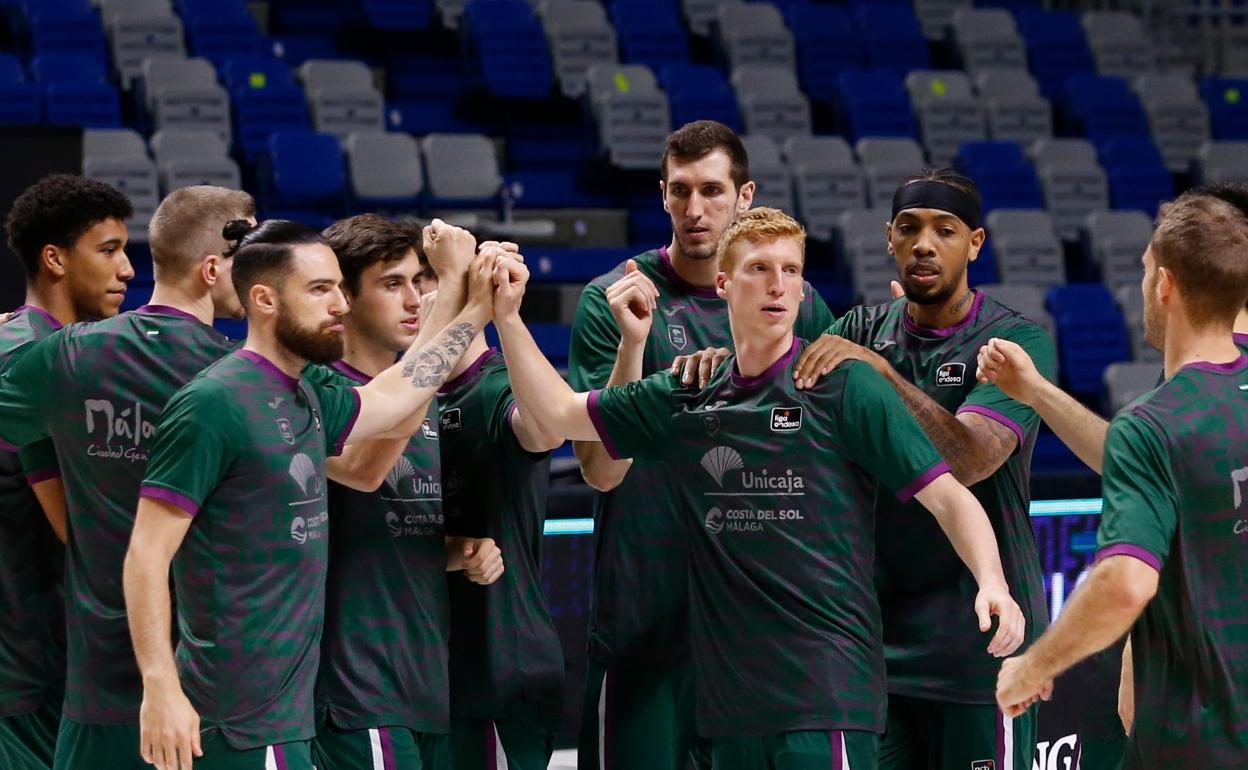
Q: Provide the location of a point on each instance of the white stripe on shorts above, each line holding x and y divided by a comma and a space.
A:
500, 755
374, 745
270, 759
602, 724
1007, 732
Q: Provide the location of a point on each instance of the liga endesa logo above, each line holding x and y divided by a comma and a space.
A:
786, 419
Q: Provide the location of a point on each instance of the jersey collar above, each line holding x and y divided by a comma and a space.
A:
167, 310
265, 365
1230, 367
665, 262
469, 373
780, 364
350, 372
45, 315
948, 331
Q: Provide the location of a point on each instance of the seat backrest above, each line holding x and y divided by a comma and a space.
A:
736, 20
568, 15
1014, 223
1007, 84
332, 73
1122, 226
174, 143
461, 166
385, 165
1166, 88
1224, 161
931, 86
162, 71
818, 152
113, 143
767, 79
110, 10
980, 25
1125, 381
606, 79
68, 68
862, 225
1112, 26
1063, 153
889, 153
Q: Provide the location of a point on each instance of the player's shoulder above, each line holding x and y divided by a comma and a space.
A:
862, 320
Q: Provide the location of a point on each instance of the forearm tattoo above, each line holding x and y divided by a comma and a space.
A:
429, 366
970, 455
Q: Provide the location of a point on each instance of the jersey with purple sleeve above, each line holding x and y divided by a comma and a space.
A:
242, 449
932, 651
777, 488
1176, 497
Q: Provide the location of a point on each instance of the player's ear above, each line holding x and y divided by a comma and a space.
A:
721, 283
52, 259
663, 195
888, 238
977, 243
210, 269
745, 197
263, 298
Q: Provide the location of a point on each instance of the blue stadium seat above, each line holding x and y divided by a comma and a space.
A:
1005, 176
67, 27
19, 100
893, 35
303, 170
76, 91
650, 32
1091, 334
1056, 48
519, 69
399, 15
873, 103
828, 42
699, 92
1228, 106
1138, 178
219, 33
265, 98
553, 265
1103, 107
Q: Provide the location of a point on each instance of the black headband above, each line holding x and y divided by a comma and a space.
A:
927, 194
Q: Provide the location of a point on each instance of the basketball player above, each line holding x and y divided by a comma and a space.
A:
70, 235
1167, 544
785, 625
638, 707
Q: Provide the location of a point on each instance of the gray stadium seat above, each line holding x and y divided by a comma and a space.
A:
1026, 299
1015, 109
1073, 180
579, 36
947, 110
113, 143
702, 14
767, 169
1178, 117
987, 38
384, 166
886, 163
186, 157
342, 96
132, 174
1117, 240
936, 16
1026, 246
184, 93
1125, 381
450, 11
1119, 43
1131, 302
771, 101
461, 166
136, 36
862, 236
111, 9
1222, 162
754, 33
827, 178
632, 114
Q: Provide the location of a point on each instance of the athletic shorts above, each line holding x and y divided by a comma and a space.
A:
380, 748
82, 746
219, 755
28, 741
926, 733
517, 743
799, 750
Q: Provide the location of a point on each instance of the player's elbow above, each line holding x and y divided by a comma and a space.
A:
599, 478
1131, 583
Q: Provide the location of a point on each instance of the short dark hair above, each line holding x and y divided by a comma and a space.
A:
1203, 241
946, 175
696, 140
264, 254
58, 210
367, 239
1234, 193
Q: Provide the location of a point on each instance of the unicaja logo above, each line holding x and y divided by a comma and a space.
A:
303, 471
299, 530
764, 480
720, 461
394, 524
714, 521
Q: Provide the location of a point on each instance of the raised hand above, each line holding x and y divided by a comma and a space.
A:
510, 279
826, 353
448, 248
1011, 626
1007, 365
481, 284
633, 300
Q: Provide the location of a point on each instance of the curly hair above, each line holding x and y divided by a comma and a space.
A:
57, 210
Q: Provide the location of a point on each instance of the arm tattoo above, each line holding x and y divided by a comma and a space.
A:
972, 455
429, 366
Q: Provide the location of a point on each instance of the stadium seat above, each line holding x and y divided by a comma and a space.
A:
936, 16
1015, 110
119, 158
754, 33
1056, 49
580, 37
1138, 178
1131, 303
862, 237
186, 157
265, 99
522, 67
386, 169
1103, 107
1116, 243
1222, 162
631, 112
1027, 300
302, 171
873, 103
184, 93
1125, 381
1177, 116
222, 32
988, 39
774, 183
1118, 42
771, 101
701, 15
76, 91
827, 179
73, 28
1090, 334
700, 92
1228, 106
892, 34
462, 169
113, 143
650, 32
947, 110
20, 102
1005, 177
342, 97
1026, 247
886, 163
397, 15
451, 12
1073, 180
828, 43
138, 35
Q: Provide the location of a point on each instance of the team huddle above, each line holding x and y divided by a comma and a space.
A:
321, 546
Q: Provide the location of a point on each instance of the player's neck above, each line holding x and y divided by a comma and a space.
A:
363, 355
695, 272
475, 350
265, 344
1187, 345
951, 312
174, 297
755, 353
1241, 322
51, 299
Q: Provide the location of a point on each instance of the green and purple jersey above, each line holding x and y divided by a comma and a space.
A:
776, 489
97, 389
242, 449
933, 646
506, 657
640, 606
32, 602
384, 648
1176, 498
